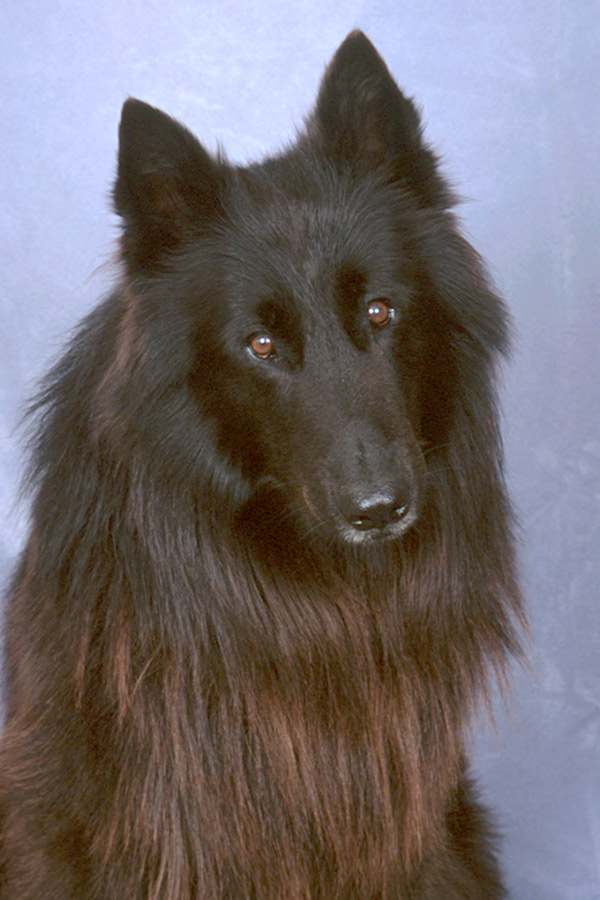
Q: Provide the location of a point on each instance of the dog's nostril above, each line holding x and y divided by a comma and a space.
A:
367, 512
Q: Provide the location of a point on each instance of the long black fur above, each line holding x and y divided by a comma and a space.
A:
270, 566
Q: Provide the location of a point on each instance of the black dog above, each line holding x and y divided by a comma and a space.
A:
270, 561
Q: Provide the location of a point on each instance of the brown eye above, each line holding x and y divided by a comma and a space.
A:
261, 345
379, 312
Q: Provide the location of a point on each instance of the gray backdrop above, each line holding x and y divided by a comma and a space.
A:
510, 95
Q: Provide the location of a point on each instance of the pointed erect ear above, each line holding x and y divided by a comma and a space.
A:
168, 188
363, 121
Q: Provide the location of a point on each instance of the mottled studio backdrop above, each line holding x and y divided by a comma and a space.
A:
510, 93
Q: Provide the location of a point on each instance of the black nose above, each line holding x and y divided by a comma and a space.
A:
376, 509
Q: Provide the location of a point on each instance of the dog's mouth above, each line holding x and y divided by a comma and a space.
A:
359, 517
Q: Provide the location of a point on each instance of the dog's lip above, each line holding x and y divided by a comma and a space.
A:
305, 494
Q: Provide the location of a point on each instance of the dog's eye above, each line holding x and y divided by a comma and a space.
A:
261, 345
379, 312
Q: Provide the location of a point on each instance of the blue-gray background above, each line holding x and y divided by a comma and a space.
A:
510, 94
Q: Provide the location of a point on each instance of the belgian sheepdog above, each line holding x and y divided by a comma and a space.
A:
270, 566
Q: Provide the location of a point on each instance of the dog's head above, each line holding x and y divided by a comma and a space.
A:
311, 324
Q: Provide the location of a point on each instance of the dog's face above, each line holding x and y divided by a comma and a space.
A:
306, 363
301, 315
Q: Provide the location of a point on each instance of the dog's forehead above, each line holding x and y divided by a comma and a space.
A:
317, 232
301, 243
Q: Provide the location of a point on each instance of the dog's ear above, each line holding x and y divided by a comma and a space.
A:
362, 120
168, 187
